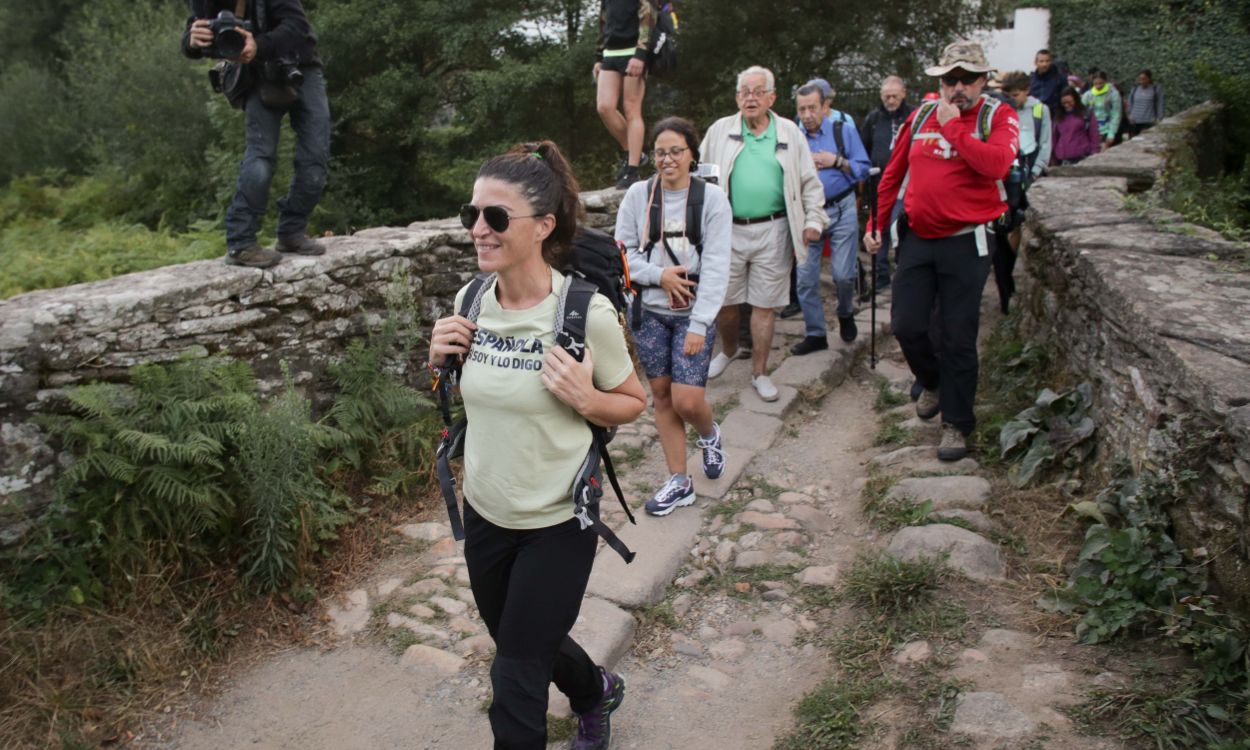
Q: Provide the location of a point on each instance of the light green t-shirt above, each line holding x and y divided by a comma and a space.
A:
524, 446
756, 183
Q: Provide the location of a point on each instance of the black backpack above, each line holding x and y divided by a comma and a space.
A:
597, 266
662, 57
693, 231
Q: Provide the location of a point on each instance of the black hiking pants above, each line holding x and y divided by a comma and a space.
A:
951, 272
528, 585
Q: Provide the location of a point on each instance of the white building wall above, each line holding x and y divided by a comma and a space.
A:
1014, 48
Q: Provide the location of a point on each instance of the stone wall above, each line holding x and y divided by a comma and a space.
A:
1151, 311
304, 311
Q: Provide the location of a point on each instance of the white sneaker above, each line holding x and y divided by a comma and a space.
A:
765, 388
717, 366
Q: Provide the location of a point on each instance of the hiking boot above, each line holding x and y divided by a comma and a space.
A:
594, 728
300, 244
847, 328
810, 344
790, 310
673, 495
253, 256
928, 405
628, 177
765, 388
954, 445
713, 456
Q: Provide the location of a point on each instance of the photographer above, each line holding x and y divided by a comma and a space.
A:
273, 69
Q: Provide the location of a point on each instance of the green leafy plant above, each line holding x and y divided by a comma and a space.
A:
1056, 428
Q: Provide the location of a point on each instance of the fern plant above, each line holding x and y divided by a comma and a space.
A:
149, 487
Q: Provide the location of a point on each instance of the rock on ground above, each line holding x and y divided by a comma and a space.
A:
968, 553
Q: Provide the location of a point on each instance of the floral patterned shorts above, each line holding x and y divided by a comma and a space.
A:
660, 342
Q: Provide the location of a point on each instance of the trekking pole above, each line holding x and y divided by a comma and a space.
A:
874, 178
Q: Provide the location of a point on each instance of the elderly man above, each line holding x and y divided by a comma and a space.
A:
880, 128
841, 164
778, 209
952, 155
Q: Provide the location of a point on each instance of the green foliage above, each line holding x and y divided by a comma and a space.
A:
887, 398
1170, 37
1165, 715
885, 584
830, 717
292, 511
1056, 428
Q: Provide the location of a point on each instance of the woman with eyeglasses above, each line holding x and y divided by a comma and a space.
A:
529, 560
683, 287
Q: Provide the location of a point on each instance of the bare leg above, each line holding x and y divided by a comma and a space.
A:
690, 402
727, 329
634, 90
762, 322
669, 425
609, 90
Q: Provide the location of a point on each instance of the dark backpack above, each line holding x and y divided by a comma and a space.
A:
693, 231
597, 266
662, 58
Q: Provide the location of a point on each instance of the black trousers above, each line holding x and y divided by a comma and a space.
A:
529, 586
951, 272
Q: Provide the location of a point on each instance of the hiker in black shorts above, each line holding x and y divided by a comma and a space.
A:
625, 30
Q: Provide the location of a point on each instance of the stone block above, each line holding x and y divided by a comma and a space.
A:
967, 552
944, 492
750, 430
921, 460
661, 546
989, 715
787, 399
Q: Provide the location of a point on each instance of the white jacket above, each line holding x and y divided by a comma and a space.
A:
803, 192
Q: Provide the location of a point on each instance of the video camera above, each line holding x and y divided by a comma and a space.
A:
228, 42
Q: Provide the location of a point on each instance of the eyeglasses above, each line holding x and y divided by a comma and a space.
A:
673, 153
497, 217
757, 93
967, 79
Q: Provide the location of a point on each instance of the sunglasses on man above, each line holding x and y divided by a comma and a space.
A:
497, 217
967, 79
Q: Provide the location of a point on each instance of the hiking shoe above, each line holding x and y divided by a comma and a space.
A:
717, 366
253, 256
790, 310
765, 388
713, 456
954, 445
847, 328
810, 344
928, 405
673, 495
594, 728
300, 244
628, 177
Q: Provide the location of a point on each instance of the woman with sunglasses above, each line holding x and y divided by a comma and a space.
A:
528, 558
683, 289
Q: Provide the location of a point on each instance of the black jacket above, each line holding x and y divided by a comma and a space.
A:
879, 129
287, 33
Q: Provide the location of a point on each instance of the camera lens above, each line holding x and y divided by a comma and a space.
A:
230, 43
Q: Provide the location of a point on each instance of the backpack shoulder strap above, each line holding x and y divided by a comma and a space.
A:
837, 136
1037, 121
471, 303
655, 209
926, 111
986, 118
571, 313
694, 214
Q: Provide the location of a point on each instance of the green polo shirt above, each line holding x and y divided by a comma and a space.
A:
756, 186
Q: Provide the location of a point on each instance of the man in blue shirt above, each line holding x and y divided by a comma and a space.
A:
841, 164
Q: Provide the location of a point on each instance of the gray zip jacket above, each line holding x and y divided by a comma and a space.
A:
712, 266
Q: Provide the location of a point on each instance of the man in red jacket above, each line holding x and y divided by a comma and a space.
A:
948, 161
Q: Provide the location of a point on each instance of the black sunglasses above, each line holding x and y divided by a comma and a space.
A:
967, 79
497, 217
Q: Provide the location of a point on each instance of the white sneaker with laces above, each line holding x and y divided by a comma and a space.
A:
765, 388
717, 366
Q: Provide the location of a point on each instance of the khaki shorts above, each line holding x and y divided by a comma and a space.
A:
759, 264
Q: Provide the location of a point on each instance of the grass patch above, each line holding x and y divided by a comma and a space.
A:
886, 513
892, 432
885, 584
629, 456
888, 398
561, 729
830, 717
1166, 714
721, 411
661, 614
754, 577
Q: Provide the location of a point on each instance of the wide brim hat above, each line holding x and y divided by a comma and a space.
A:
963, 55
